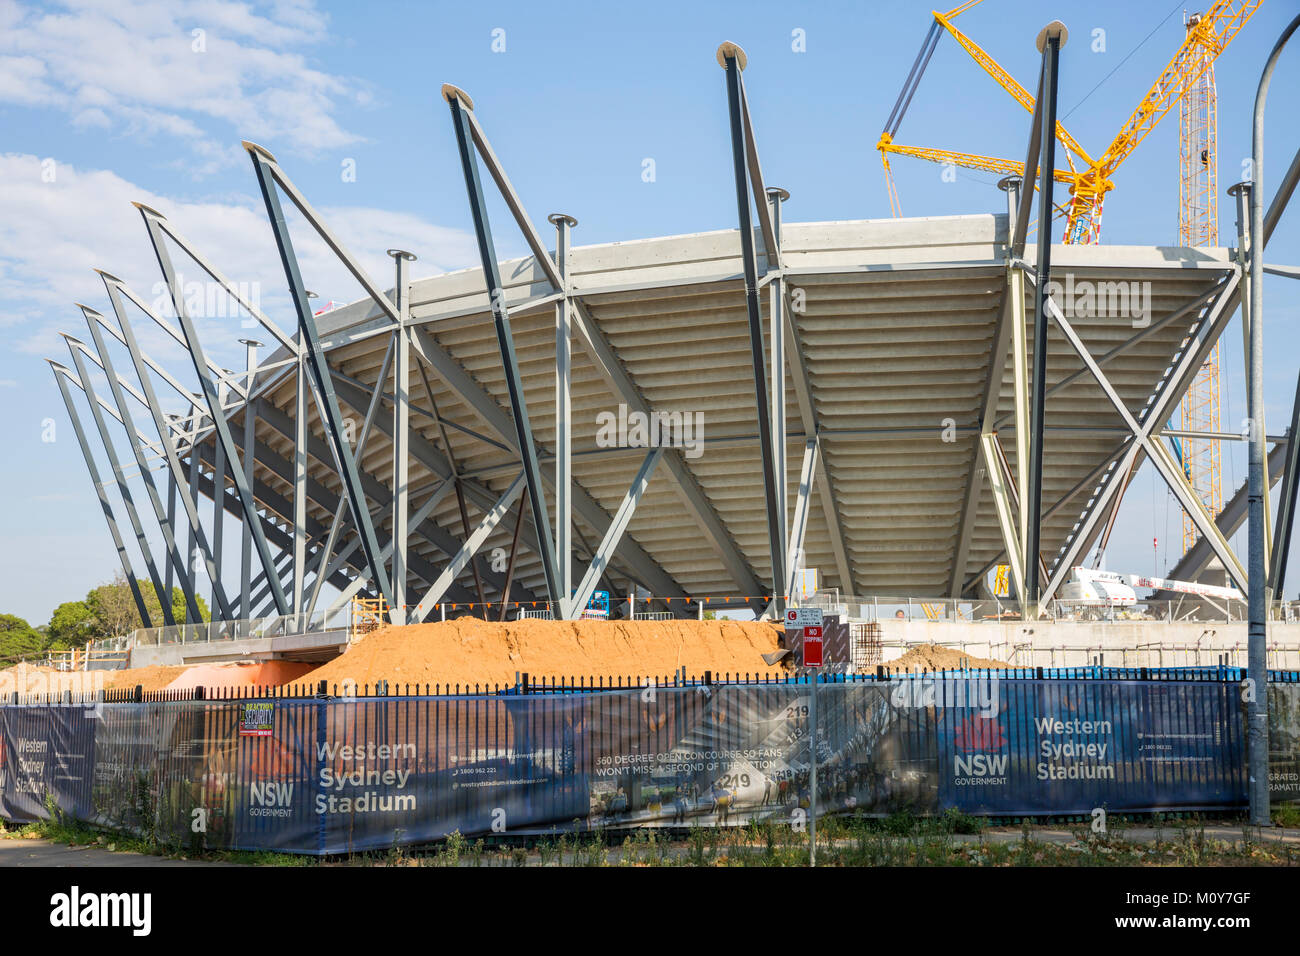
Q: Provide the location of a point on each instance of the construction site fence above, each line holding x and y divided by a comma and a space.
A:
1190, 609
304, 770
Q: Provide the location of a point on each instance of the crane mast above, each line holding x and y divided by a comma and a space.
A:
1208, 34
1198, 225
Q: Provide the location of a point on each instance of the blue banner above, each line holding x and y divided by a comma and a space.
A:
325, 776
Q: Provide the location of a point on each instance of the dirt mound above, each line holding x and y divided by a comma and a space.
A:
935, 657
470, 651
150, 678
31, 678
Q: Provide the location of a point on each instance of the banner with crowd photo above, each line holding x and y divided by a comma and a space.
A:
369, 774
331, 775
1284, 743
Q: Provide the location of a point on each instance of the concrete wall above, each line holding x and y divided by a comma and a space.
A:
318, 646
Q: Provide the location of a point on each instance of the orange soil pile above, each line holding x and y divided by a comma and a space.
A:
45, 680
24, 678
156, 677
473, 651
934, 657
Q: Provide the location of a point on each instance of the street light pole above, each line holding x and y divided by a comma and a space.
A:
1257, 632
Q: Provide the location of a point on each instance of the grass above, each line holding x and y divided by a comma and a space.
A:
902, 839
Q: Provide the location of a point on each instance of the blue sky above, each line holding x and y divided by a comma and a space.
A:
125, 100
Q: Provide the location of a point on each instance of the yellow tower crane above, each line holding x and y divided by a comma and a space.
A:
1089, 178
1198, 225
1188, 81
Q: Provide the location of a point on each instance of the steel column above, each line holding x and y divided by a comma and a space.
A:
220, 426
299, 479
119, 474
1020, 379
776, 331
1049, 43
732, 58
197, 533
505, 342
250, 434
218, 495
101, 492
309, 337
176, 560
563, 420
401, 430
197, 539
171, 520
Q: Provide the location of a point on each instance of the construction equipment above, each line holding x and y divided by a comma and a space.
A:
1088, 587
1089, 179
1198, 225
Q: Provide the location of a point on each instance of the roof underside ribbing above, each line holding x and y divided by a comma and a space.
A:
897, 328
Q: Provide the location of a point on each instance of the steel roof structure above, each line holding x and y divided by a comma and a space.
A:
853, 396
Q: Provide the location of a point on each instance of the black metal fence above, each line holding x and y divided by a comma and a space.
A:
317, 768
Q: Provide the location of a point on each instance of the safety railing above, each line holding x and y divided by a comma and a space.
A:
1281, 655
256, 628
1189, 609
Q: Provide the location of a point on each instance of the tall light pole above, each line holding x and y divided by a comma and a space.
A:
1257, 632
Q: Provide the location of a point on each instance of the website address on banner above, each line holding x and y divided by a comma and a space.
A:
1203, 923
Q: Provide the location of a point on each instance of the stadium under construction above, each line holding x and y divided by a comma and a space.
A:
893, 407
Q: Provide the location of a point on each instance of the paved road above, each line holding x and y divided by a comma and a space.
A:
21, 852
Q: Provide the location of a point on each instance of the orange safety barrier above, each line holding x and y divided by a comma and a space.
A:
376, 607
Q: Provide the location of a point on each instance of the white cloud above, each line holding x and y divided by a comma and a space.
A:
133, 68
54, 234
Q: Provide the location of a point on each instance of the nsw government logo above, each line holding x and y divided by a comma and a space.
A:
981, 758
270, 799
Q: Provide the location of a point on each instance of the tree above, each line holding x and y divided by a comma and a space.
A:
179, 610
18, 639
113, 608
114, 612
71, 625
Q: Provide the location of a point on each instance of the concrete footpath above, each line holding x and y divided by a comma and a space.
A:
19, 851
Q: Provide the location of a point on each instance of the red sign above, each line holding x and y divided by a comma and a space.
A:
812, 646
